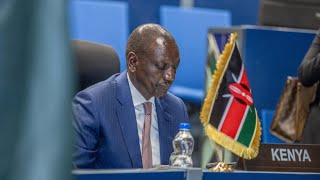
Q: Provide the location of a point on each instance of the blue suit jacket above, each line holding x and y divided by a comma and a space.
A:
106, 129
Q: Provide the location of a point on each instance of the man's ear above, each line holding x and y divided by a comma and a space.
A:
132, 61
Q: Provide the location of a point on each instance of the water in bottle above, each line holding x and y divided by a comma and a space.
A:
183, 144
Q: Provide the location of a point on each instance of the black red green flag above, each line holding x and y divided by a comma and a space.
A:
228, 114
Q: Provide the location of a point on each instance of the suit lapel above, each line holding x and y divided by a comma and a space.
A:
165, 137
127, 120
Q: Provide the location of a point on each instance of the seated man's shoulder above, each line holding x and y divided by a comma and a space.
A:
103, 87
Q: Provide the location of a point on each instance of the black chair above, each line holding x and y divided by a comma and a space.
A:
95, 62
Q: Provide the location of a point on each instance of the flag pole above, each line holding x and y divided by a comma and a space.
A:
220, 165
220, 153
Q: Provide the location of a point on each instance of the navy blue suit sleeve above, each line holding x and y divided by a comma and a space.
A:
86, 130
185, 112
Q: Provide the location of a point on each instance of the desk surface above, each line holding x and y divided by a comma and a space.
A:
139, 174
187, 174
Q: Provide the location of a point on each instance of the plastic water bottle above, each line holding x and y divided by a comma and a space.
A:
183, 145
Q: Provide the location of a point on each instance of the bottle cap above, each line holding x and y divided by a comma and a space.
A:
184, 126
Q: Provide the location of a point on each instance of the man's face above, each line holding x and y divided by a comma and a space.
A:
155, 71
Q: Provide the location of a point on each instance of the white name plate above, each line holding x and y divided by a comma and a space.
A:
284, 157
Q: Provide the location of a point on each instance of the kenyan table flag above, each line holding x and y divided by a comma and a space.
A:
228, 114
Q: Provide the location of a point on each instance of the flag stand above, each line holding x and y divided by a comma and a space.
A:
221, 165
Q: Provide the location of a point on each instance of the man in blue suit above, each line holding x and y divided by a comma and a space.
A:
112, 125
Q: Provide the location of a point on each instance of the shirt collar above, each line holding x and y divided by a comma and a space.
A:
137, 98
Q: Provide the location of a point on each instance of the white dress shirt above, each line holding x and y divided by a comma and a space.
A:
138, 101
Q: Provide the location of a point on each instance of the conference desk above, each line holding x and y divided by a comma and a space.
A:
187, 174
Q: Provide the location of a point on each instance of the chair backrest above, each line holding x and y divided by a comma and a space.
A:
95, 62
189, 27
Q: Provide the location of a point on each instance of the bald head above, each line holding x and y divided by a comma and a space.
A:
145, 38
152, 60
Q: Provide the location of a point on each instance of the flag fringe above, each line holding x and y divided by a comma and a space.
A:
216, 78
220, 138
234, 146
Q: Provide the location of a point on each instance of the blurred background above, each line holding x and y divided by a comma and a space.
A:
39, 74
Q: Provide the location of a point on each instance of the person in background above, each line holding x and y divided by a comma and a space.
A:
130, 120
309, 74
